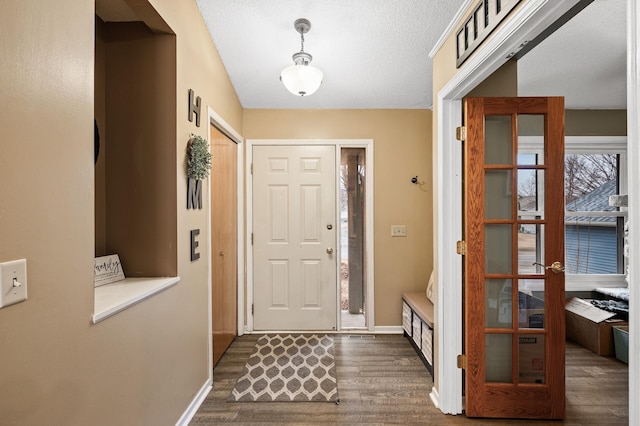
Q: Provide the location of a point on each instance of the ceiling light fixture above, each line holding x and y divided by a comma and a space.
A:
301, 79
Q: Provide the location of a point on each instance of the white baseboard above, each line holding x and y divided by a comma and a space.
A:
192, 409
435, 397
391, 329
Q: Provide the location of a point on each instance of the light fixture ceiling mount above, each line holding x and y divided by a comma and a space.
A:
301, 79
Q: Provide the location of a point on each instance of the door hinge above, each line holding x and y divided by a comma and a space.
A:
251, 168
252, 238
461, 133
461, 247
252, 309
462, 361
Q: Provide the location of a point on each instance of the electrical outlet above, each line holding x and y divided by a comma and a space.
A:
13, 282
398, 231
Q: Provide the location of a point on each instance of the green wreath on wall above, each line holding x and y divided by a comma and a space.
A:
198, 158
198, 167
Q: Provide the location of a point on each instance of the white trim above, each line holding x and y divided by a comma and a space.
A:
388, 329
633, 152
578, 213
369, 239
367, 144
448, 310
209, 271
586, 144
527, 21
195, 404
224, 127
248, 172
435, 397
241, 251
451, 27
588, 282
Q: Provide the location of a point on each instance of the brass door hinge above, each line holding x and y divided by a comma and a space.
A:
461, 133
461, 247
462, 361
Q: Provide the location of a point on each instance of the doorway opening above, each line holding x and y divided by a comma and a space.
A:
352, 238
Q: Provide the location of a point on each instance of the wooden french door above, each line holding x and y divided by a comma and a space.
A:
224, 237
514, 278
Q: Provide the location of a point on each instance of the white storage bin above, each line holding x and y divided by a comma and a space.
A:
406, 318
427, 343
417, 326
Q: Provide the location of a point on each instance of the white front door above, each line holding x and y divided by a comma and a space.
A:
294, 237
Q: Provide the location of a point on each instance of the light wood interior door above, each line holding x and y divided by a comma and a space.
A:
514, 289
294, 238
224, 240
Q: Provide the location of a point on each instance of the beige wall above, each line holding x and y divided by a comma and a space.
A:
402, 149
144, 365
503, 82
588, 122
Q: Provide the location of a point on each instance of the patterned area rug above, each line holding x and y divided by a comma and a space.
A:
297, 367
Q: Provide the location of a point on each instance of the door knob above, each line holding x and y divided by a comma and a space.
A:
556, 267
330, 250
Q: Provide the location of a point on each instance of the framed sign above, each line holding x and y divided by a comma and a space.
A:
106, 270
484, 18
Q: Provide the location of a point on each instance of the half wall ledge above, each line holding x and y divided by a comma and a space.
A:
112, 298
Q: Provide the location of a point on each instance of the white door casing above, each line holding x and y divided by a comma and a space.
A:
294, 238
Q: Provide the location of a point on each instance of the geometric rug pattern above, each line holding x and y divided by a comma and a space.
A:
293, 367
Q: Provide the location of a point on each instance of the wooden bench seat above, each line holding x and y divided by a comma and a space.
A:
421, 305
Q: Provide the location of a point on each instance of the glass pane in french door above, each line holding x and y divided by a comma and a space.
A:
497, 204
498, 244
531, 303
497, 368
498, 301
531, 365
497, 135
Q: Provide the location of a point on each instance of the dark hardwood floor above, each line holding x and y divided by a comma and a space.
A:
381, 380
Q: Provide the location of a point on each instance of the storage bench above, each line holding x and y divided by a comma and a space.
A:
417, 322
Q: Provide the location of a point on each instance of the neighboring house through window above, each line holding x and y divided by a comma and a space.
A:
595, 168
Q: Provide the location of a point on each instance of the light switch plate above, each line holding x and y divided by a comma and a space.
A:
398, 231
13, 282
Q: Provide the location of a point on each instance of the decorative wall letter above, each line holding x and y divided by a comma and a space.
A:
194, 193
194, 107
194, 244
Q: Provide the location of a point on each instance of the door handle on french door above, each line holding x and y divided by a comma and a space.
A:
330, 250
556, 267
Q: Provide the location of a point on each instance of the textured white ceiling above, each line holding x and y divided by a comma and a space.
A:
373, 53
584, 60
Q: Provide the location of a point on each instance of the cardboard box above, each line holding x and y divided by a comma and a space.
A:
590, 327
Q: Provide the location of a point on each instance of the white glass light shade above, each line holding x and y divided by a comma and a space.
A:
301, 80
